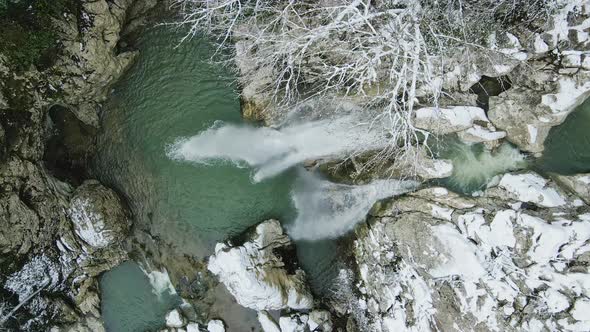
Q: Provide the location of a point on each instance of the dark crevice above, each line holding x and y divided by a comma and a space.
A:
488, 87
69, 146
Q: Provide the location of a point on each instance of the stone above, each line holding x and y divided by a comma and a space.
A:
256, 276
215, 325
267, 322
293, 323
416, 267
579, 184
97, 214
320, 320
174, 319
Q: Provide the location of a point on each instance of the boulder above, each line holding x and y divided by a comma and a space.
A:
98, 216
174, 319
257, 275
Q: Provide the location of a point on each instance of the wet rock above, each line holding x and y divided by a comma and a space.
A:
256, 273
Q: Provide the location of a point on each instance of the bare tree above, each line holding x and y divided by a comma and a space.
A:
389, 55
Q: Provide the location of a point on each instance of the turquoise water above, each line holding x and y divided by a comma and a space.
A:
567, 148
133, 295
169, 93
475, 165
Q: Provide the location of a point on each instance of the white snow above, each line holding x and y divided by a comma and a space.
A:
193, 327
174, 319
293, 323
215, 325
448, 120
255, 276
532, 188
89, 225
540, 46
570, 95
581, 310
460, 257
268, 324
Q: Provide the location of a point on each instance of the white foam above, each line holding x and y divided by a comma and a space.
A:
271, 151
328, 210
472, 168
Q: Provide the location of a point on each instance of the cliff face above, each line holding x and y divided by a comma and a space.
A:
58, 228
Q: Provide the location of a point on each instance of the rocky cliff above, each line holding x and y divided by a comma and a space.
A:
59, 229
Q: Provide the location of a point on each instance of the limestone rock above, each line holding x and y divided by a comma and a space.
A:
578, 184
97, 214
422, 268
257, 276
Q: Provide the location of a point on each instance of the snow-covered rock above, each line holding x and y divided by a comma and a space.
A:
267, 322
215, 325
491, 263
256, 276
174, 319
579, 184
98, 215
192, 327
470, 123
293, 323
320, 320
448, 120
532, 188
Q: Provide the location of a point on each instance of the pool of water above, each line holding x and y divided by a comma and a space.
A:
170, 93
174, 91
567, 148
126, 292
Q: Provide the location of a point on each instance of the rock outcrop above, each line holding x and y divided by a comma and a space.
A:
554, 80
58, 232
257, 273
514, 258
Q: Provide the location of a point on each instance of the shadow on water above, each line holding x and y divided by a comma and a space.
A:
567, 148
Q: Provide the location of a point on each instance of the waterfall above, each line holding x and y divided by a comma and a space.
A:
329, 210
325, 209
271, 151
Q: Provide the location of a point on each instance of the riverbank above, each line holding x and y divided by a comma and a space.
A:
60, 228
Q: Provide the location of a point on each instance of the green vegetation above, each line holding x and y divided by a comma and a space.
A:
27, 34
